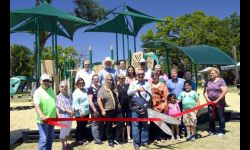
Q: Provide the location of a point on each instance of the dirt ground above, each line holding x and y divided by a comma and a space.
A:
22, 117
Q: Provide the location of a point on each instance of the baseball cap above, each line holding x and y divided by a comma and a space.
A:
45, 77
142, 60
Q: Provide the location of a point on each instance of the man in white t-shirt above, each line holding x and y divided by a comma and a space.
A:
86, 74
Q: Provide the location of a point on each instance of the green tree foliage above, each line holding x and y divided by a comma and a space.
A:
20, 61
64, 54
89, 10
197, 28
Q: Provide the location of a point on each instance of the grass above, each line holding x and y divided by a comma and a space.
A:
22, 116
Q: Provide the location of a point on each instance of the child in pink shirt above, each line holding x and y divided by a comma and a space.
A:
173, 108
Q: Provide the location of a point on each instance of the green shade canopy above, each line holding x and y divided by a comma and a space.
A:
199, 54
120, 23
48, 16
116, 25
207, 55
45, 24
139, 18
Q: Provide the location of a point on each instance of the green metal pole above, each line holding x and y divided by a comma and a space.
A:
53, 42
56, 53
129, 56
90, 57
168, 67
134, 44
196, 76
128, 46
123, 49
38, 52
112, 54
117, 57
64, 67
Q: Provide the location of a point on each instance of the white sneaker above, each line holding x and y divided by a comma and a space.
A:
221, 135
178, 138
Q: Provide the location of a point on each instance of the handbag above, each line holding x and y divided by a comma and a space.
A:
139, 104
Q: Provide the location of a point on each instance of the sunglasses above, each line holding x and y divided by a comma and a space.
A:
110, 79
140, 74
46, 80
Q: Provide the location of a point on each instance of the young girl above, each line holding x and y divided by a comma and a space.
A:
173, 108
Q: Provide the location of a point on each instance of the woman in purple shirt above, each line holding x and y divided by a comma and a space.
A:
215, 90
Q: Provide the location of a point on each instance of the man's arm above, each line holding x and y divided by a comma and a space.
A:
39, 112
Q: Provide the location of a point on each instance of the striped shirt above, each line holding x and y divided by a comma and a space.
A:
63, 103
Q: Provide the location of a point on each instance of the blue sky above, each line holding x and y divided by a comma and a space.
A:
101, 42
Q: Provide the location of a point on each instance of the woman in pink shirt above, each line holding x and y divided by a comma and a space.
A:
131, 76
173, 108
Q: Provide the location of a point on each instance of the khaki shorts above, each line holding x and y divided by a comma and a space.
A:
190, 119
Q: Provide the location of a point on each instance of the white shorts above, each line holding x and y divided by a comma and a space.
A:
65, 131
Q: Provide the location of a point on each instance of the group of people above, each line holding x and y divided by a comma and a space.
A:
126, 92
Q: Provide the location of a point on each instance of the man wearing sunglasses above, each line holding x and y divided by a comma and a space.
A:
44, 100
139, 90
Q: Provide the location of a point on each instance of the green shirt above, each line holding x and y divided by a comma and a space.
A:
46, 99
188, 99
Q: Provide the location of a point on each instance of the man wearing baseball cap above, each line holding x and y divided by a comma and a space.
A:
44, 100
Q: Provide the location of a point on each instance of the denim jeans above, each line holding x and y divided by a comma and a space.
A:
221, 118
136, 132
46, 135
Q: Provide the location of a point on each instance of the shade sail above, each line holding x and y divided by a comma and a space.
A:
207, 55
121, 24
116, 25
45, 11
139, 18
199, 54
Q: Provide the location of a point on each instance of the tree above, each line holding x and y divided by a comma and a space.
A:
89, 10
20, 61
70, 53
197, 28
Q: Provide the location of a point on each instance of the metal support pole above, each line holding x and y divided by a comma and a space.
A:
112, 54
168, 67
196, 76
128, 48
90, 57
56, 53
38, 51
117, 57
123, 49
134, 44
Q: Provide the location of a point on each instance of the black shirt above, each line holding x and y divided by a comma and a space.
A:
123, 96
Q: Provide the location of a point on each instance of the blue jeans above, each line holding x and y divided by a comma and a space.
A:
144, 129
221, 118
46, 135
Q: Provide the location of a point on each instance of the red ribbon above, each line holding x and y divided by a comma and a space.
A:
196, 108
54, 121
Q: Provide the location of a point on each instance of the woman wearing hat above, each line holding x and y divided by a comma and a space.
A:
44, 100
107, 63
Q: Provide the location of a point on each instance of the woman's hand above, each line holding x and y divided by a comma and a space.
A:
104, 113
